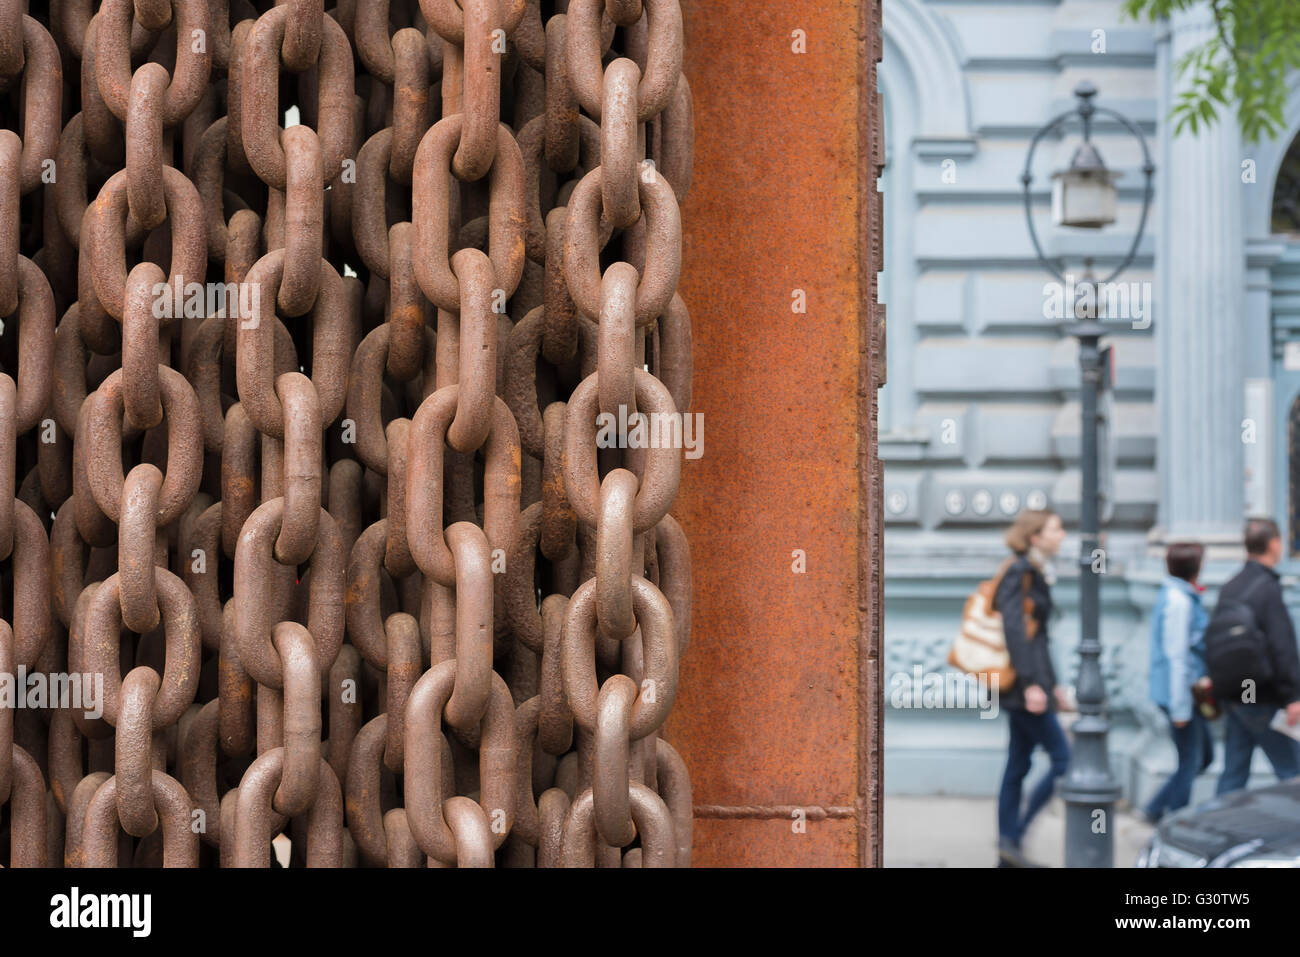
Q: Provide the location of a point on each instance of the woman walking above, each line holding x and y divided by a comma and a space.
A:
1024, 598
1177, 631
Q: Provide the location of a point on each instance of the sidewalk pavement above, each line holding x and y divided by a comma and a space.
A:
962, 832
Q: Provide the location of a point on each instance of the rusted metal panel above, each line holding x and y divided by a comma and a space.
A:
755, 843
779, 703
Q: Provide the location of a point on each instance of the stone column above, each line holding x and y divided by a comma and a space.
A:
1200, 271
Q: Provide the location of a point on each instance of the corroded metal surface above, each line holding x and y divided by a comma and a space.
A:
357, 554
779, 707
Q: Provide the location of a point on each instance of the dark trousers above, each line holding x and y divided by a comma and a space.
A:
1195, 752
1029, 731
1247, 727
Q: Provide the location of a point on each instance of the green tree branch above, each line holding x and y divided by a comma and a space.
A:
1243, 66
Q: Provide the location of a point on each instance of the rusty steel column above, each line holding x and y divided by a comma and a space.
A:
779, 709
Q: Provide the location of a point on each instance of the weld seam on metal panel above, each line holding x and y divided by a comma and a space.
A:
761, 812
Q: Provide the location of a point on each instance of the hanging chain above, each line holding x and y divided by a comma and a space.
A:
335, 538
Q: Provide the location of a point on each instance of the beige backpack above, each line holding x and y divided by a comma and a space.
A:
981, 645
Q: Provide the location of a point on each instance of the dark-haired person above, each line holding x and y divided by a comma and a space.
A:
1248, 714
1177, 662
1024, 598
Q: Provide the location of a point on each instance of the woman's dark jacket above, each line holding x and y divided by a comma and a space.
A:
1030, 657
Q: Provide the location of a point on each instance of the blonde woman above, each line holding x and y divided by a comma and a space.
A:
1024, 598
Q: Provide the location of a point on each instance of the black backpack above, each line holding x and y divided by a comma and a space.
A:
1236, 648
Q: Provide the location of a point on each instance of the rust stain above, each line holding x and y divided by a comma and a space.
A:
770, 705
774, 843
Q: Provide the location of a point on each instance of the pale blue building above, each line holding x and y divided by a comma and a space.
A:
980, 415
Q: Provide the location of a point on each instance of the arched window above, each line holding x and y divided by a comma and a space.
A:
1286, 192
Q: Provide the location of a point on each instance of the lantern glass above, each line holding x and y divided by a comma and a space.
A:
1084, 198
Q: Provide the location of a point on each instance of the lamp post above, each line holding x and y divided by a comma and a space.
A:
1084, 196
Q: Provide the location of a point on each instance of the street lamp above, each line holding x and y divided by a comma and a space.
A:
1084, 196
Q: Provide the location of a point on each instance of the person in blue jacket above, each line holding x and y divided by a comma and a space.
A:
1177, 663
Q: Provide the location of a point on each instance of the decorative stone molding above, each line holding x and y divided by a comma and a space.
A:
927, 52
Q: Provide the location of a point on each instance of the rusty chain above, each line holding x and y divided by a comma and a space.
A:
314, 479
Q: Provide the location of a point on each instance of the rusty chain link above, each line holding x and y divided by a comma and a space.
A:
314, 325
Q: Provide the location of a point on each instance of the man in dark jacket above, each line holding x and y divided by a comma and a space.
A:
1258, 587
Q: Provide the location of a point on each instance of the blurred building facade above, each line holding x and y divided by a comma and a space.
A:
980, 416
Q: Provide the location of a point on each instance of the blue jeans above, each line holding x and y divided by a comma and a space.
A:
1195, 752
1247, 727
1029, 731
